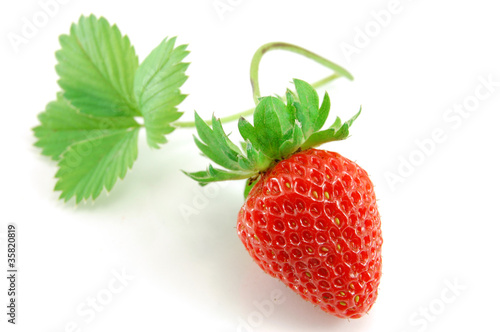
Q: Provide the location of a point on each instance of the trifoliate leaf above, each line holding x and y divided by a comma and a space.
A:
62, 125
96, 66
91, 128
88, 167
156, 88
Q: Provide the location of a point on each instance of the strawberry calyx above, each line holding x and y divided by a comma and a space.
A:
279, 130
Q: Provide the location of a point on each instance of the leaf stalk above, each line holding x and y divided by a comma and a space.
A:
254, 77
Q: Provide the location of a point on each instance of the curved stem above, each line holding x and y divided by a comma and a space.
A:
248, 112
254, 76
229, 118
254, 67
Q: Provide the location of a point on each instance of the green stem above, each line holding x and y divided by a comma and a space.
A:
254, 76
229, 118
254, 67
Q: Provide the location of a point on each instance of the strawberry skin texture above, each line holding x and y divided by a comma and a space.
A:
312, 221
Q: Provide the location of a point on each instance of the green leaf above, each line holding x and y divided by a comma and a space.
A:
90, 129
90, 166
96, 66
61, 125
157, 89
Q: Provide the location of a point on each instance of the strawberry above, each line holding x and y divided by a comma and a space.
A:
312, 222
310, 216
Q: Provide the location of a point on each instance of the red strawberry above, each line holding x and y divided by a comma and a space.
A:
312, 222
310, 217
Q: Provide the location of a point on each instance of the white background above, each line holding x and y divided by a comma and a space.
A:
191, 273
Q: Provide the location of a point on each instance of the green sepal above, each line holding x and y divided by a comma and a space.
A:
272, 124
217, 145
213, 174
336, 132
279, 130
258, 160
324, 110
230, 148
249, 184
294, 142
307, 94
247, 131
351, 120
337, 124
309, 103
